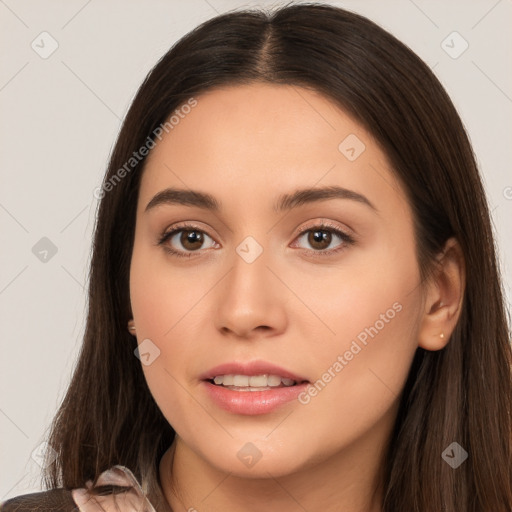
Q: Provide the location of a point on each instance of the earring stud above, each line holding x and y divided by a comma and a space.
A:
131, 327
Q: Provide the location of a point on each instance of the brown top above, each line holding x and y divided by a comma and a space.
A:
46, 501
80, 500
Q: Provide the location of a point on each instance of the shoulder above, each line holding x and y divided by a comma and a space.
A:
53, 500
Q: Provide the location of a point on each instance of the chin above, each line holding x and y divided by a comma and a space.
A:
258, 460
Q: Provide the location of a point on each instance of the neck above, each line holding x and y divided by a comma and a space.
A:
350, 480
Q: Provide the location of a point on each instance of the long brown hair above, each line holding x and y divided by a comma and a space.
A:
461, 393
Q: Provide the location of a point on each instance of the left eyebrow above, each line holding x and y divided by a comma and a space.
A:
285, 202
310, 195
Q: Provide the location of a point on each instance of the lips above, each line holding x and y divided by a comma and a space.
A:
252, 368
242, 399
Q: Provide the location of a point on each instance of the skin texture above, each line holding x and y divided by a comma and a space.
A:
246, 145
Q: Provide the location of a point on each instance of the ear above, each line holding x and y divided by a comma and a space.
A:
443, 299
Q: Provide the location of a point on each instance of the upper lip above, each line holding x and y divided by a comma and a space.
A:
250, 368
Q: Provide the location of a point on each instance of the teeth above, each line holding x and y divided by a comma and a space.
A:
252, 381
258, 381
229, 380
274, 380
241, 380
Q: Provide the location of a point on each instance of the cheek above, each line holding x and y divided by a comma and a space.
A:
372, 294
164, 305
362, 367
160, 296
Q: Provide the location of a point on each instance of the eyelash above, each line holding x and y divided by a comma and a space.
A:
323, 226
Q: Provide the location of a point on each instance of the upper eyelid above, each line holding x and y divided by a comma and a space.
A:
315, 225
346, 234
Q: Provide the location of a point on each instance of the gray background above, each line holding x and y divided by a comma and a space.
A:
59, 119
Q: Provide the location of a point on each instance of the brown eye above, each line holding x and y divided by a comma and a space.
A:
191, 240
185, 240
319, 239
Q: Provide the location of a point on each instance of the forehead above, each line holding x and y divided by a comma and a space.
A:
244, 142
258, 119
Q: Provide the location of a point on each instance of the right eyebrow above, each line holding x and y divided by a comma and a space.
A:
184, 197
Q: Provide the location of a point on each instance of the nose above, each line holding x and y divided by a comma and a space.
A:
251, 301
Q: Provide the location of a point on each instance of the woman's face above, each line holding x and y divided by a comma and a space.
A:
260, 287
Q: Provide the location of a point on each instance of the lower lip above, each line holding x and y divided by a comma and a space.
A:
253, 402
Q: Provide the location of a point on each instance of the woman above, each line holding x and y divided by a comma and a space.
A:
294, 299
